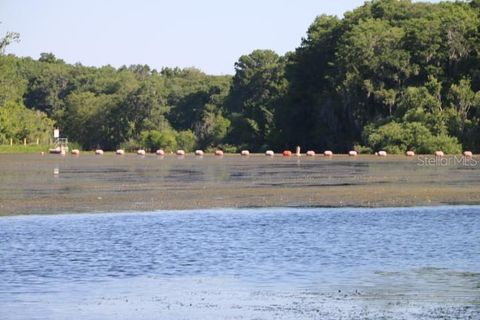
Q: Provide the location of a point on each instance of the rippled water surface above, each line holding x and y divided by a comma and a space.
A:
418, 263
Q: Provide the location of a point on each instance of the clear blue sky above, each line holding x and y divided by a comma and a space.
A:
208, 34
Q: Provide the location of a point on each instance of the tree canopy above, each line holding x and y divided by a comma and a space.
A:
391, 75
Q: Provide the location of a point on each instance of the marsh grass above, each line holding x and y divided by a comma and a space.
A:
23, 149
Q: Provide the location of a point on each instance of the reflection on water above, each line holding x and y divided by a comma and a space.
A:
243, 264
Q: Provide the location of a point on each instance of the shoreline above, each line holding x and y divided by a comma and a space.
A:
243, 209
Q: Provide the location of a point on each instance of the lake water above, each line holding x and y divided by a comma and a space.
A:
278, 263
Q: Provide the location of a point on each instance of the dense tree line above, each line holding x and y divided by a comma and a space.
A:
391, 75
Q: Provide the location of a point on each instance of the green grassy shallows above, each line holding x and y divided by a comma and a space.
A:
23, 149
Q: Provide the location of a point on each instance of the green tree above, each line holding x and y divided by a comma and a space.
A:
257, 89
18, 123
6, 40
374, 66
212, 128
145, 109
186, 140
311, 115
397, 138
155, 139
48, 86
86, 120
463, 99
391, 74
12, 85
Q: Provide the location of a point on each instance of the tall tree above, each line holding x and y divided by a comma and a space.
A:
257, 89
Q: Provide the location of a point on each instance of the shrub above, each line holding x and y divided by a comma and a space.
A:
397, 138
154, 139
228, 148
186, 140
362, 149
391, 137
445, 143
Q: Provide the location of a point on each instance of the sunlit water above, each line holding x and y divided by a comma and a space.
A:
418, 263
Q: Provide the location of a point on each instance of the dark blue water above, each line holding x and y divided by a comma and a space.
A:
258, 263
